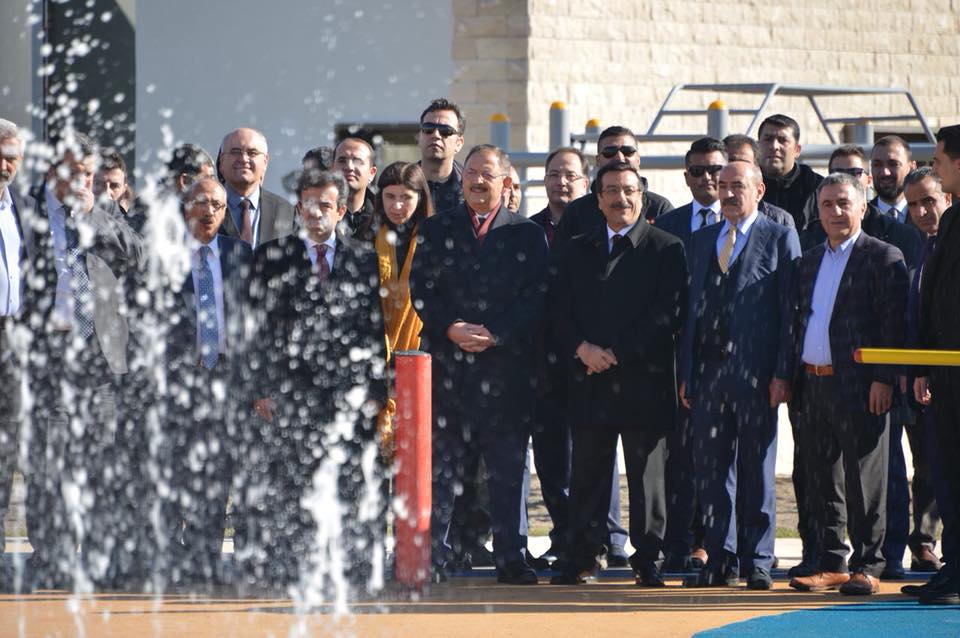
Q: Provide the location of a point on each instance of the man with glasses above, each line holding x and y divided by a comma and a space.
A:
478, 282
353, 157
616, 144
735, 372
254, 214
440, 138
788, 183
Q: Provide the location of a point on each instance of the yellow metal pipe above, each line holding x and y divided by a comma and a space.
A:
903, 356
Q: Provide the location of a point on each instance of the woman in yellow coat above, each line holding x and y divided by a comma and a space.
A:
403, 202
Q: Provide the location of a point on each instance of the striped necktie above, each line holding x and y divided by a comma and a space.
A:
727, 250
209, 330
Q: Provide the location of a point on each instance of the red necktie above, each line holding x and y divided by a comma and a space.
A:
246, 232
323, 268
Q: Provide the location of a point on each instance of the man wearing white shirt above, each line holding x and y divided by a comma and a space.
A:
204, 340
890, 162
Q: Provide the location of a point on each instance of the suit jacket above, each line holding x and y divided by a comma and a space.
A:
307, 336
677, 221
235, 262
939, 320
9, 369
869, 311
277, 218
113, 257
875, 202
583, 215
500, 284
632, 304
760, 317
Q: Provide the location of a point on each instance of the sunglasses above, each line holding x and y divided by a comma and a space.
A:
853, 172
696, 170
445, 130
611, 151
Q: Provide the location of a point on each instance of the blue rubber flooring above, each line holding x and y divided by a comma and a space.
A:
895, 619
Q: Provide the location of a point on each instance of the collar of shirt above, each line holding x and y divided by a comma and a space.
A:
900, 205
330, 243
234, 198
6, 200
696, 207
623, 231
743, 226
195, 245
844, 245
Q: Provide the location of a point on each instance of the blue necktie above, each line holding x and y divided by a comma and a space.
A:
80, 279
209, 332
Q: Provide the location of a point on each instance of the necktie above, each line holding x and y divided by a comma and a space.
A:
80, 279
323, 268
703, 216
618, 244
246, 231
209, 331
727, 250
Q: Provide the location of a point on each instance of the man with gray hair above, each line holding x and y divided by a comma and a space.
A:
254, 214
851, 293
13, 258
319, 339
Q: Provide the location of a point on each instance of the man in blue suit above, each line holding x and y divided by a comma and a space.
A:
735, 368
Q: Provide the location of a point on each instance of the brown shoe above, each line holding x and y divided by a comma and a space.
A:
698, 558
860, 584
821, 581
925, 561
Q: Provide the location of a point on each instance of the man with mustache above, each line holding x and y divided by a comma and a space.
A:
788, 183
204, 346
478, 283
735, 372
890, 161
353, 157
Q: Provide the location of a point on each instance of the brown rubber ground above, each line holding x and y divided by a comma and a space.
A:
460, 609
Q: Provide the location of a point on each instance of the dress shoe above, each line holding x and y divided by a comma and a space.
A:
893, 571
947, 594
516, 573
711, 578
649, 576
698, 558
759, 579
802, 569
937, 581
574, 576
860, 584
480, 556
925, 561
542, 562
617, 557
820, 581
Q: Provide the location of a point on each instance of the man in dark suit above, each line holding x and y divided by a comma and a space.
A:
254, 214
204, 342
939, 328
735, 371
851, 293
75, 299
890, 161
14, 245
616, 144
317, 356
478, 282
623, 381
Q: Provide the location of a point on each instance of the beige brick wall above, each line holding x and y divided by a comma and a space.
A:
616, 59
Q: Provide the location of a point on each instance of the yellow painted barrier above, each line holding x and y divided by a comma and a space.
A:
903, 356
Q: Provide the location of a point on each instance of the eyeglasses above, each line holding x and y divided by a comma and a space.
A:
697, 170
250, 153
853, 172
614, 191
570, 177
611, 151
210, 203
487, 176
445, 130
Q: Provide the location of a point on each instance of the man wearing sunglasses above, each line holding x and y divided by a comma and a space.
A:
789, 183
440, 138
616, 144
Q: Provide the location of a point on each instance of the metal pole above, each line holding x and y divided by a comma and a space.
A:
559, 125
718, 120
863, 133
500, 131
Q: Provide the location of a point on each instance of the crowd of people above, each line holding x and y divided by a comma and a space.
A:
215, 343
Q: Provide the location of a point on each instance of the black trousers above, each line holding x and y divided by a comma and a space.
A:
594, 453
846, 471
10, 403
900, 492
945, 389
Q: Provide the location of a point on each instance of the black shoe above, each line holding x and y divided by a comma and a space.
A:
711, 578
949, 594
938, 581
480, 556
676, 563
542, 562
802, 570
574, 576
893, 571
617, 557
649, 576
516, 573
759, 579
